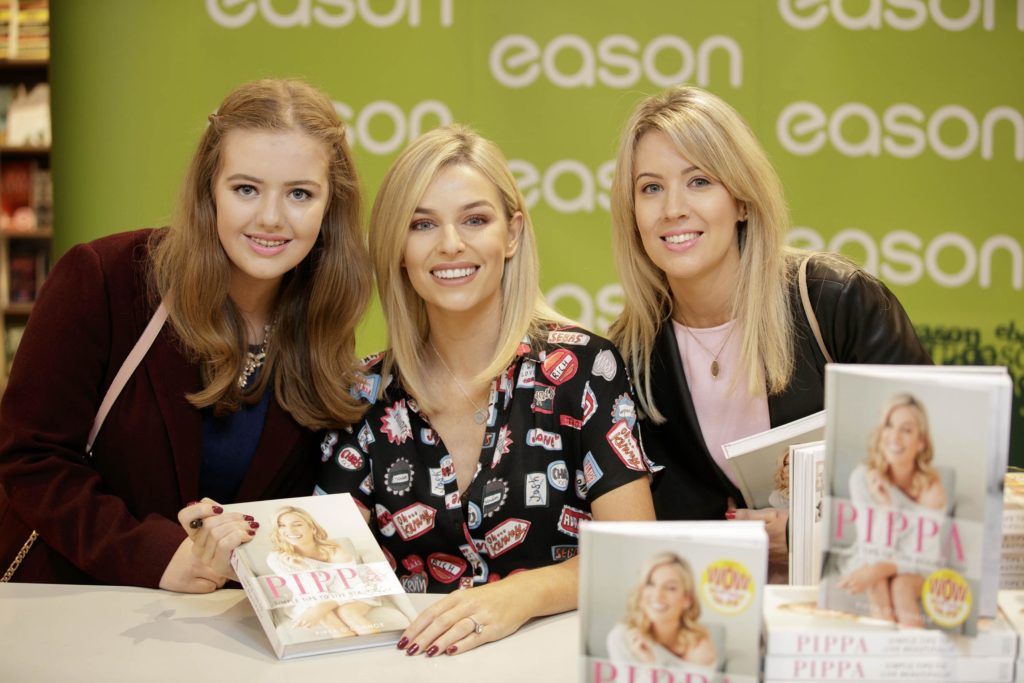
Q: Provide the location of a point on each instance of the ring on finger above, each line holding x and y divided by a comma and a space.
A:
195, 524
478, 628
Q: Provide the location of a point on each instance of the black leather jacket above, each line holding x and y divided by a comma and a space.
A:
861, 322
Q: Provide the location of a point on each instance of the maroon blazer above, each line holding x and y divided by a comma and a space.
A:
111, 518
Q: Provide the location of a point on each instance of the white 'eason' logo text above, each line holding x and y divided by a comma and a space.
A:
588, 190
902, 130
364, 128
617, 61
327, 13
898, 257
902, 15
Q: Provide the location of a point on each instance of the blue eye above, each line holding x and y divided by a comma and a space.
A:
650, 188
245, 190
477, 220
421, 224
300, 194
700, 182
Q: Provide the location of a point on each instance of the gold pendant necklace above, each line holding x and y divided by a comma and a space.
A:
715, 367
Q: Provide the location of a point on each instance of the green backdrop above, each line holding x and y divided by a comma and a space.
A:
897, 125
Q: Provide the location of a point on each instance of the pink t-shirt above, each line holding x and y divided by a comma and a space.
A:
726, 410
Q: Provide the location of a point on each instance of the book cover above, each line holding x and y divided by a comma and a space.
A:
1011, 606
795, 626
761, 461
924, 669
671, 601
317, 579
914, 462
806, 512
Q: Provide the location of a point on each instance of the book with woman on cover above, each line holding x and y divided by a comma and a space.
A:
914, 464
317, 579
671, 601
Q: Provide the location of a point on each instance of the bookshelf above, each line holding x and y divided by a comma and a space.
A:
26, 204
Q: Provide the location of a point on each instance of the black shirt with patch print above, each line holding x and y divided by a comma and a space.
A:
561, 432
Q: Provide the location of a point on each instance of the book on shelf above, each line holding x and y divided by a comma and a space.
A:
26, 269
915, 458
760, 462
663, 601
317, 579
806, 512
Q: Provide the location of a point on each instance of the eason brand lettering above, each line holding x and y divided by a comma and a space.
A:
364, 128
591, 186
329, 13
901, 15
616, 61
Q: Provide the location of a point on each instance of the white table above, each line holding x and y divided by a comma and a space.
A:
105, 633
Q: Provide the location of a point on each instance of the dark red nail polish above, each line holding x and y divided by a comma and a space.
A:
248, 518
452, 649
254, 525
413, 649
217, 509
402, 643
432, 651
250, 532
730, 514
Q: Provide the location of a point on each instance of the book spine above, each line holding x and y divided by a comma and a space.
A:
931, 669
247, 577
895, 643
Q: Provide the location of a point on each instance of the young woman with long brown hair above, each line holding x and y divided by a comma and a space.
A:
263, 276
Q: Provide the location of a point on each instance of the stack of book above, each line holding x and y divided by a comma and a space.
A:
1011, 605
1011, 560
33, 30
804, 643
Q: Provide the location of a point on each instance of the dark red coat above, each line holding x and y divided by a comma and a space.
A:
112, 518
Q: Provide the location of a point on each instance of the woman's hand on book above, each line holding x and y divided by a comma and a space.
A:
216, 533
185, 573
775, 522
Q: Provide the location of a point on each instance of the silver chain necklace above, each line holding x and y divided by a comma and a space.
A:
479, 414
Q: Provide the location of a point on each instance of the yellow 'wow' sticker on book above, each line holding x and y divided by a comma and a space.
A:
946, 598
727, 586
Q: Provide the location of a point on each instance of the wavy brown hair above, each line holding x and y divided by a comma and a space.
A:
310, 359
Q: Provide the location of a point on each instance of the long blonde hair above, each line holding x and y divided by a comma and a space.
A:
523, 310
924, 474
311, 352
325, 548
714, 137
690, 630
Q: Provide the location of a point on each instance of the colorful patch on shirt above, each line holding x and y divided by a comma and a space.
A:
536, 489
507, 381
390, 558
591, 470
327, 446
436, 481
428, 436
413, 564
398, 477
395, 423
494, 496
503, 445
623, 408
589, 403
560, 366
350, 459
506, 536
527, 374
581, 485
366, 485
452, 500
445, 568
549, 441
414, 521
569, 523
620, 438
473, 516
605, 365
413, 583
488, 440
366, 387
447, 469
570, 422
561, 553
568, 337
413, 405
365, 437
477, 564
385, 522
492, 411
558, 475
543, 399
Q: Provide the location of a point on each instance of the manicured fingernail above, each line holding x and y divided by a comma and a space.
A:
217, 509
432, 651
402, 643
248, 518
730, 514
250, 532
452, 649
413, 649
191, 503
254, 525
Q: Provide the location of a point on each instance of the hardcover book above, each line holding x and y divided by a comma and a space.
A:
317, 579
923, 669
671, 601
914, 462
806, 512
761, 461
1011, 605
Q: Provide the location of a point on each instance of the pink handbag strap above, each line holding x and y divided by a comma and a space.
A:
127, 368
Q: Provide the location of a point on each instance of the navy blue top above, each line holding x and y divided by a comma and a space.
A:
229, 443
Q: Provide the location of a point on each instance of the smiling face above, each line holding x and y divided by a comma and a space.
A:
665, 595
270, 194
293, 529
685, 216
902, 438
458, 240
